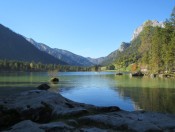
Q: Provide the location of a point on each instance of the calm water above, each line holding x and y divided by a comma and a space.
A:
100, 88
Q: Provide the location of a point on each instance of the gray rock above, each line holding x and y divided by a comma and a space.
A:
43, 87
57, 126
94, 129
29, 126
26, 126
54, 80
39, 106
72, 122
130, 121
21, 112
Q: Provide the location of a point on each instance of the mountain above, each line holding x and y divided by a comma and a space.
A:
128, 48
64, 55
123, 46
173, 12
113, 55
96, 61
152, 23
15, 47
152, 49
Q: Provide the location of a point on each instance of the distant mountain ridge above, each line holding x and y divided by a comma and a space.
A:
64, 55
96, 61
77, 60
113, 55
14, 47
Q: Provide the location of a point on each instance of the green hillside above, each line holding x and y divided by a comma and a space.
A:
153, 50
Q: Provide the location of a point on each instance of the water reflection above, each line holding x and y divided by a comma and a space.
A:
128, 93
148, 94
100, 88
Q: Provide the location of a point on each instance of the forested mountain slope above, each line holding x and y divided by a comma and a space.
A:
153, 49
15, 47
64, 55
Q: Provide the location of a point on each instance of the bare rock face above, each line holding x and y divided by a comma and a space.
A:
39, 110
153, 23
124, 46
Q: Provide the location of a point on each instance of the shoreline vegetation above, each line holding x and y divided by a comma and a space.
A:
13, 65
133, 70
47, 111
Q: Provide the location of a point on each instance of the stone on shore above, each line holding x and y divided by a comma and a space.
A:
40, 110
43, 86
137, 74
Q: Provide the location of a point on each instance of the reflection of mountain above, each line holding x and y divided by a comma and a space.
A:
146, 98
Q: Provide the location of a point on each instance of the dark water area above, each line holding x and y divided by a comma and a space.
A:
99, 88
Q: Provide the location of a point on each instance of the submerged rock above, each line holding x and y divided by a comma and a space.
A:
40, 110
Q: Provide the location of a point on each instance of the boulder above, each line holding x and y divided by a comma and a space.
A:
54, 80
137, 74
25, 126
153, 75
130, 121
29, 126
43, 86
119, 73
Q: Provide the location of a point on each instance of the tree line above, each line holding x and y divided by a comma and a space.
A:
13, 65
157, 47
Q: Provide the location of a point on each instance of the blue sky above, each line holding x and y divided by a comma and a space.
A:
91, 28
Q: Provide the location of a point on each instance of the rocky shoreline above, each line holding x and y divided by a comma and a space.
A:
39, 110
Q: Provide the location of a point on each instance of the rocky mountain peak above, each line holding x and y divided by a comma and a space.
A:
123, 46
173, 12
30, 40
153, 23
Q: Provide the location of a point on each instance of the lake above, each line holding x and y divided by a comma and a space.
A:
99, 88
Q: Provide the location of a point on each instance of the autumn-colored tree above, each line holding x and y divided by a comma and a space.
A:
134, 67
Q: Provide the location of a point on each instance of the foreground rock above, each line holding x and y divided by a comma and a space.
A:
43, 86
40, 110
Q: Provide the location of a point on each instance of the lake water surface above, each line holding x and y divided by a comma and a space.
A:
99, 88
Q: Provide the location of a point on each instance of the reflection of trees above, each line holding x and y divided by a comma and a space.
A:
149, 97
146, 93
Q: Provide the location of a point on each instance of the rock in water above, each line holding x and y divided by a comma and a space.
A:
54, 80
43, 87
137, 74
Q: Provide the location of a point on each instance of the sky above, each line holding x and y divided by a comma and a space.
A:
91, 28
